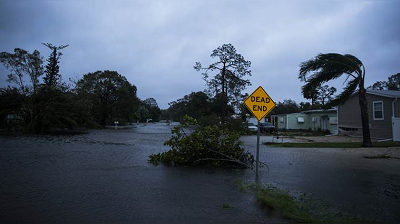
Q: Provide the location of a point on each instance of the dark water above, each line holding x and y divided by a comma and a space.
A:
369, 188
104, 176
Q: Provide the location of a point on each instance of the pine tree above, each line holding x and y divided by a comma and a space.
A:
52, 73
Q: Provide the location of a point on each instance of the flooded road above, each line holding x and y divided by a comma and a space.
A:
103, 176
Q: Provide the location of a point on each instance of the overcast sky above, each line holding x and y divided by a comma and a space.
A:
155, 44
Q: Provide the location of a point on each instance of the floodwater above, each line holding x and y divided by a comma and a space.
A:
104, 176
369, 188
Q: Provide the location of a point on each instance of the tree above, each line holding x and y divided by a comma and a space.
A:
379, 85
111, 96
12, 102
151, 102
53, 76
154, 111
304, 106
312, 95
196, 105
331, 66
325, 94
393, 83
54, 110
23, 63
228, 83
286, 107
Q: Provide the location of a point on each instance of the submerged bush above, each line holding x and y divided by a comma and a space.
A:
211, 145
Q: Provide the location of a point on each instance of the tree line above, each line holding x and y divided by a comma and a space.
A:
393, 83
47, 103
101, 97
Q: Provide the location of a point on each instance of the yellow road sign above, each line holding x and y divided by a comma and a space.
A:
259, 103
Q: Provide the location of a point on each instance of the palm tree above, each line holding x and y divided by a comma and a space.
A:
326, 67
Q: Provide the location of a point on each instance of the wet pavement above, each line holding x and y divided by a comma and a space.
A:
104, 176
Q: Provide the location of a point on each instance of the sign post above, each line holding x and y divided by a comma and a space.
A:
258, 149
260, 105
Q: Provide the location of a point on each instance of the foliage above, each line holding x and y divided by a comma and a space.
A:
52, 75
304, 106
393, 83
379, 85
228, 82
111, 96
304, 208
325, 94
326, 67
196, 104
54, 109
11, 113
152, 111
99, 97
286, 107
47, 107
151, 102
319, 95
23, 63
210, 145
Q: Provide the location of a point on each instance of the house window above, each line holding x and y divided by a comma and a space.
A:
378, 110
333, 120
314, 119
281, 119
300, 119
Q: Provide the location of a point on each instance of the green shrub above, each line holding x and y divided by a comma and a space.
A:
210, 145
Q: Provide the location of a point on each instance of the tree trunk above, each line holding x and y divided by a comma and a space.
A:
224, 101
362, 97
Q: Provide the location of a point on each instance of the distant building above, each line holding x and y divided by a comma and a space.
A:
308, 120
383, 113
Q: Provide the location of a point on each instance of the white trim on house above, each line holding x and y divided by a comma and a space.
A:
337, 115
373, 108
287, 121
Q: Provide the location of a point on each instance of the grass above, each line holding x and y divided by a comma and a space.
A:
332, 144
304, 209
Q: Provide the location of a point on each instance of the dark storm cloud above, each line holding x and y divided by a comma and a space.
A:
156, 43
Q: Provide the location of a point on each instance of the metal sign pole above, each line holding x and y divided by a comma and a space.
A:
258, 149
259, 104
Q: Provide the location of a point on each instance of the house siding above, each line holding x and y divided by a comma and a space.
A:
281, 122
294, 124
350, 117
290, 121
318, 124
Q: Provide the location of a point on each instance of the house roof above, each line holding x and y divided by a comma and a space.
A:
309, 111
385, 93
320, 111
